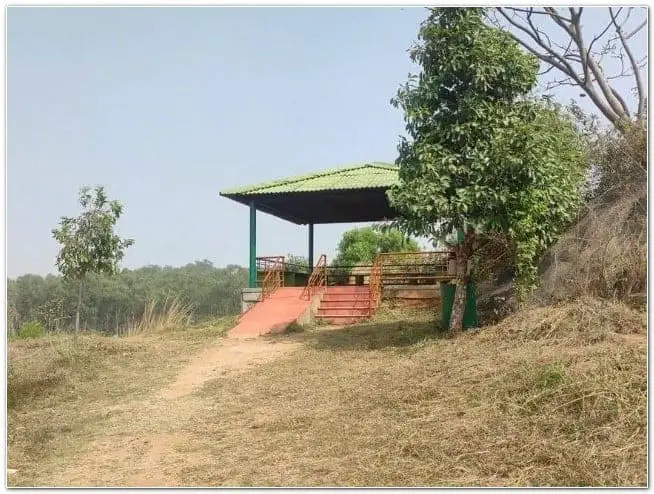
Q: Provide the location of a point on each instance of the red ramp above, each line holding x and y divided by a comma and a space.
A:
280, 309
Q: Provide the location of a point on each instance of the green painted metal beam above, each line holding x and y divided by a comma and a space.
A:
253, 246
310, 246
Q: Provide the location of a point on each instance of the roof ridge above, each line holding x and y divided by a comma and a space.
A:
321, 173
382, 164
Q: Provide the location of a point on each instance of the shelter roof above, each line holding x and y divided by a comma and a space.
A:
338, 195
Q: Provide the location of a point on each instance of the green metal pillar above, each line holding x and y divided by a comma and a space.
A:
253, 246
447, 301
310, 246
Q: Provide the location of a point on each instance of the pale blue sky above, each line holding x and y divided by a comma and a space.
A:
168, 106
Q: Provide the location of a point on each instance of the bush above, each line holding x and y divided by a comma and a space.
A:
294, 327
604, 253
31, 330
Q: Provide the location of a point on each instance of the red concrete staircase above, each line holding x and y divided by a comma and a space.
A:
345, 305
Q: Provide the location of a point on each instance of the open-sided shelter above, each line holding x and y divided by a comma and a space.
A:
339, 195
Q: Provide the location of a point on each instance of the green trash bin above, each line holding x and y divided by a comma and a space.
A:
447, 300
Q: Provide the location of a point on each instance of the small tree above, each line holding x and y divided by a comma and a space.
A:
88, 242
480, 156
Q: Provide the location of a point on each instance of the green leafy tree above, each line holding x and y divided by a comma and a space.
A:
88, 242
299, 263
480, 156
361, 245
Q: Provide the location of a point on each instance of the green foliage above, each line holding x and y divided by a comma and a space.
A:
32, 329
298, 263
88, 243
113, 302
360, 245
551, 376
480, 154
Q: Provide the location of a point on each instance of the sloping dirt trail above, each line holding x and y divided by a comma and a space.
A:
143, 445
232, 355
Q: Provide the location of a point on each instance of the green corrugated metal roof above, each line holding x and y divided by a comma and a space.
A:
366, 176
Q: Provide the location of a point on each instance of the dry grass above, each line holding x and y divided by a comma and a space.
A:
397, 405
587, 319
172, 314
61, 389
534, 401
604, 253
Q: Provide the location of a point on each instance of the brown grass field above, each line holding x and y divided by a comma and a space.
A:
550, 397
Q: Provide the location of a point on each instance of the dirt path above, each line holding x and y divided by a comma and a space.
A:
232, 355
144, 445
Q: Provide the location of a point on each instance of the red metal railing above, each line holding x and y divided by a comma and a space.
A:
317, 280
406, 268
415, 267
273, 278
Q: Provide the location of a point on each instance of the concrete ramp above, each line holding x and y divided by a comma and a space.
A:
274, 314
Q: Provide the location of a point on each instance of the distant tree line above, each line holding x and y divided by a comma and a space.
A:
111, 302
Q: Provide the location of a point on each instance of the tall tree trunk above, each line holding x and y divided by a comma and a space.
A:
79, 305
463, 254
459, 303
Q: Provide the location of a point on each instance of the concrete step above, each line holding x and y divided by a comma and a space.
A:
344, 311
345, 297
347, 289
344, 303
341, 320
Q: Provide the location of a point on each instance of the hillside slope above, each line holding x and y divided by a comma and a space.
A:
553, 396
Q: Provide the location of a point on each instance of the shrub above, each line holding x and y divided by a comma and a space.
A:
31, 329
294, 327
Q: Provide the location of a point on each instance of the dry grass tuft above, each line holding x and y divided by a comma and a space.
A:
604, 254
294, 327
588, 318
172, 314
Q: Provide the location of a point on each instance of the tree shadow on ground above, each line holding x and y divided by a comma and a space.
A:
370, 336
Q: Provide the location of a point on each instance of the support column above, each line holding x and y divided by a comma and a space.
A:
253, 246
310, 246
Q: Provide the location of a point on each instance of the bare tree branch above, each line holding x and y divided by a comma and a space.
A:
641, 26
634, 65
599, 36
550, 56
558, 83
590, 65
578, 62
547, 70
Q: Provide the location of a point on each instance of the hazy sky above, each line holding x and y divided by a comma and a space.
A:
166, 107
